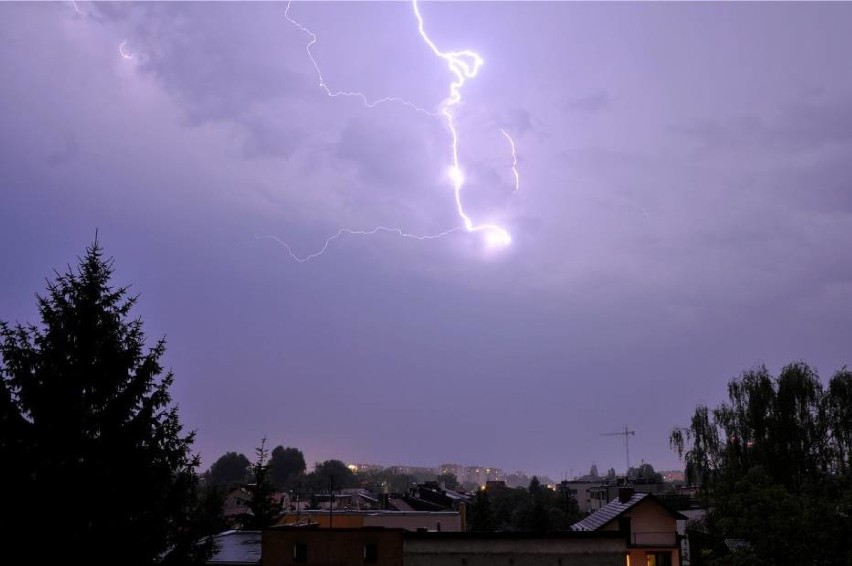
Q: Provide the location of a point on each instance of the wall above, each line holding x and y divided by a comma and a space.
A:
505, 550
331, 547
409, 520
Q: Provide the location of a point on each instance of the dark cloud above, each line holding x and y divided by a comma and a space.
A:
266, 137
212, 58
518, 120
815, 123
385, 155
823, 187
800, 126
67, 149
590, 103
731, 134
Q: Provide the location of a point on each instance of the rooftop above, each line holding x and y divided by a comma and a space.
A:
607, 513
236, 547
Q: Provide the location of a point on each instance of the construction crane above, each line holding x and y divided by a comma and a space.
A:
626, 433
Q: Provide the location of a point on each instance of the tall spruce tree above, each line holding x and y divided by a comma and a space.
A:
263, 509
102, 470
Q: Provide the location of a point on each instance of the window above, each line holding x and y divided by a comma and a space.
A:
300, 552
371, 552
658, 559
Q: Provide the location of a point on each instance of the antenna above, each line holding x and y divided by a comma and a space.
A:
626, 434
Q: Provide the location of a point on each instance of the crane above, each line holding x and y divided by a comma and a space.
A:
626, 433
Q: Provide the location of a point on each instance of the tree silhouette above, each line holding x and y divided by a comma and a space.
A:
773, 463
229, 470
263, 510
285, 466
89, 430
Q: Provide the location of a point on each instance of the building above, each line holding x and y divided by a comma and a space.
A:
362, 467
585, 493
476, 475
564, 548
394, 547
650, 528
451, 521
602, 494
327, 547
455, 469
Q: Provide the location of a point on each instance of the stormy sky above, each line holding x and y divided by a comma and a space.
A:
684, 213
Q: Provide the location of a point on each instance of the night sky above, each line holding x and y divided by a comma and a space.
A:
684, 213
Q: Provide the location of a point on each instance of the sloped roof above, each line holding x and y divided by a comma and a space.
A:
614, 509
607, 513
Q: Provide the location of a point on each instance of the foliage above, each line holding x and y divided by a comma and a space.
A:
379, 481
482, 517
773, 462
535, 508
567, 505
449, 480
285, 467
644, 474
505, 503
89, 431
331, 474
229, 470
263, 510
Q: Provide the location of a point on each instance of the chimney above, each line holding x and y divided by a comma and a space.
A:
624, 494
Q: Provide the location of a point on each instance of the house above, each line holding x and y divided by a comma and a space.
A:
236, 505
650, 528
603, 493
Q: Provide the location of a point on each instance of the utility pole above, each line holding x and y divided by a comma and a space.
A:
626, 434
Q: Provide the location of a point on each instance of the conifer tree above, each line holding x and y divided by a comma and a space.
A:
102, 470
263, 510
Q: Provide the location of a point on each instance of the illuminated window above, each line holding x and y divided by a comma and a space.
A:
658, 559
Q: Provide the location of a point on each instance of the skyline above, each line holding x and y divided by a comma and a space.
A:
683, 213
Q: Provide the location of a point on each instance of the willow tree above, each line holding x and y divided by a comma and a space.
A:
773, 462
102, 470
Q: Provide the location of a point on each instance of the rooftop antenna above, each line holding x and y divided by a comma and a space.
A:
626, 434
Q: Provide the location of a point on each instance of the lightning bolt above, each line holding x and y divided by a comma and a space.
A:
334, 94
344, 231
463, 65
122, 49
514, 159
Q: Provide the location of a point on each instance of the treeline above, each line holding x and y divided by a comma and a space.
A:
286, 471
535, 508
